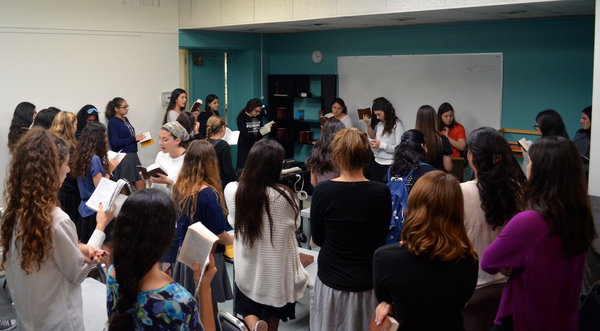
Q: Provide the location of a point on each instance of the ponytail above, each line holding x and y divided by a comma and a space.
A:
111, 105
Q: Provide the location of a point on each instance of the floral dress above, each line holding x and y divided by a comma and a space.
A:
170, 307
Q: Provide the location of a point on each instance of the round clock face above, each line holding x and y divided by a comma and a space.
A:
317, 56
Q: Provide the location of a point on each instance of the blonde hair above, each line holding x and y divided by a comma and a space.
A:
350, 149
434, 226
200, 166
63, 126
213, 125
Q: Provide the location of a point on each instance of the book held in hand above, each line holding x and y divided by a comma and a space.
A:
197, 245
525, 144
147, 140
152, 170
363, 112
306, 259
108, 193
389, 324
231, 137
111, 155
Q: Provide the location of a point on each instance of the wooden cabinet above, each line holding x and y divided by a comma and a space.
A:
294, 103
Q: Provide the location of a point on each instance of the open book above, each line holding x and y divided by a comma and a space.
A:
197, 245
147, 140
525, 144
152, 170
107, 192
231, 137
389, 324
115, 155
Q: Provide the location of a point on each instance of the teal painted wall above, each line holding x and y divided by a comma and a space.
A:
243, 58
547, 62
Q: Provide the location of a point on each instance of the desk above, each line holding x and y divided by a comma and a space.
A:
94, 305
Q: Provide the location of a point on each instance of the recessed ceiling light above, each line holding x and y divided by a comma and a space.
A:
404, 19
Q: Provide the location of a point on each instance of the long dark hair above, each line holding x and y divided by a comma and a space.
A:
250, 105
21, 121
426, 119
389, 112
111, 105
556, 189
209, 98
408, 153
500, 181
320, 156
172, 101
82, 117
551, 124
262, 171
143, 232
45, 117
92, 141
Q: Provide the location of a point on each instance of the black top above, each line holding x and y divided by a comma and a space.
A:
249, 134
349, 220
438, 163
425, 295
202, 118
224, 156
417, 173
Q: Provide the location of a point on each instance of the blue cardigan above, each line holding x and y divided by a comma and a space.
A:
120, 137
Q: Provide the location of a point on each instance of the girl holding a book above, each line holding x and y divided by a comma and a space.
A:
140, 296
425, 281
89, 165
269, 277
199, 198
45, 263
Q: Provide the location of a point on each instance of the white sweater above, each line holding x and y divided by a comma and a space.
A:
269, 274
387, 143
479, 231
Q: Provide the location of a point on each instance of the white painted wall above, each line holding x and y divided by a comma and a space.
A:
214, 13
594, 181
67, 53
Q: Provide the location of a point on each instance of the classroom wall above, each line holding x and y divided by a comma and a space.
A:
547, 62
594, 180
69, 53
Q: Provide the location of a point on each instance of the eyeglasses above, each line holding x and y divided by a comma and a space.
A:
90, 111
124, 107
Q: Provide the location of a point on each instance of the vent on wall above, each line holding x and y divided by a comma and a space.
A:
142, 3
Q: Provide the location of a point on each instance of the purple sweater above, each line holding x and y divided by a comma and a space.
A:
542, 292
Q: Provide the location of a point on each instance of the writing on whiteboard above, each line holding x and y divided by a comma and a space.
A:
480, 69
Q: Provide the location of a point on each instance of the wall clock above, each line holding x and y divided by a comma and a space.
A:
317, 56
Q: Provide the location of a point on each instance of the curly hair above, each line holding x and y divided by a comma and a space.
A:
408, 153
200, 166
92, 141
31, 193
142, 234
389, 122
434, 226
500, 181
320, 156
21, 121
63, 126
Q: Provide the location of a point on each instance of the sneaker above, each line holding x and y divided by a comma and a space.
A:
8, 324
259, 326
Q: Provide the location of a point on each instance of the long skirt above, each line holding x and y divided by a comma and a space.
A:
335, 310
220, 285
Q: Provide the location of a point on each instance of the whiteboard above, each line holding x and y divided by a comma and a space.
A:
471, 83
